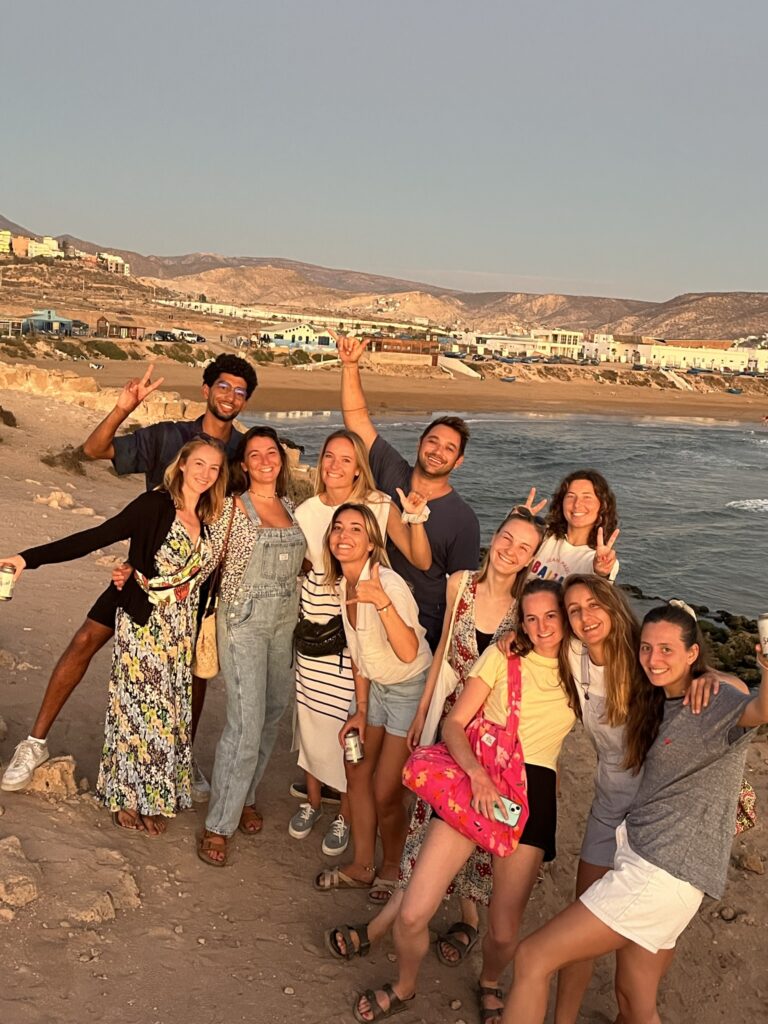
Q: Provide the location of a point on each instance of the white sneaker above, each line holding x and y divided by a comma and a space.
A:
303, 821
29, 754
200, 786
337, 837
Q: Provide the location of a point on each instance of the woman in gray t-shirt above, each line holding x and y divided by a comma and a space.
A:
675, 843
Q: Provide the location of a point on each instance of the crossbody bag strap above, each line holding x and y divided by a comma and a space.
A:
213, 590
514, 691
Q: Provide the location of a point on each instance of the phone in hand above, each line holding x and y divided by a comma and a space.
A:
509, 813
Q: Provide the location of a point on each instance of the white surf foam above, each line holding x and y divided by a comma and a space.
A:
750, 504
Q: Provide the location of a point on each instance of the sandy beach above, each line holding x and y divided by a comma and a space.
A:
284, 389
97, 924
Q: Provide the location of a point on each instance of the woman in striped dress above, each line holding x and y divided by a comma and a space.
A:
324, 685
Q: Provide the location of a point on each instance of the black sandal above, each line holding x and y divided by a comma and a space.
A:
396, 1004
488, 1013
345, 931
463, 949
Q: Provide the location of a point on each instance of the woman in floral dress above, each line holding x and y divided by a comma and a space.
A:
144, 776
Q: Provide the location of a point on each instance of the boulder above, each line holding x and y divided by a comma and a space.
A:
19, 877
55, 778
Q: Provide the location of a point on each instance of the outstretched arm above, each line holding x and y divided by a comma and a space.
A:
99, 443
353, 404
756, 712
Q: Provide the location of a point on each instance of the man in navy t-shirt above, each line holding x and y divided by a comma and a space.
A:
452, 527
228, 383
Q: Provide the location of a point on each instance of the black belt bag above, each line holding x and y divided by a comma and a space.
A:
318, 639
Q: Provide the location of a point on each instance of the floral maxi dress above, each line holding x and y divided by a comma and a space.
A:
147, 754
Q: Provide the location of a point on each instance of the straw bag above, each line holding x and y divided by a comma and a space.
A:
205, 664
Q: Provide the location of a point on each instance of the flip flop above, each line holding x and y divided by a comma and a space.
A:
383, 888
334, 878
396, 1004
463, 949
137, 827
345, 931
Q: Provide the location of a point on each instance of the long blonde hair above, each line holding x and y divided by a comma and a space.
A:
623, 677
211, 502
364, 487
378, 556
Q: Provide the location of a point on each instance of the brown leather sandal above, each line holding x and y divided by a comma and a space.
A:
251, 822
208, 842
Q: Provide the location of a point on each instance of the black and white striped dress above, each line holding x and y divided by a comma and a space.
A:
324, 686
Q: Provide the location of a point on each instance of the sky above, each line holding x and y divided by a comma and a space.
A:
596, 147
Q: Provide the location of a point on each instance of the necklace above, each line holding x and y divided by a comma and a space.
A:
263, 496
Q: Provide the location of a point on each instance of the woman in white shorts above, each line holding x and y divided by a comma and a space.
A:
675, 843
390, 658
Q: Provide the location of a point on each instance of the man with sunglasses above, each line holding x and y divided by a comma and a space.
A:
228, 383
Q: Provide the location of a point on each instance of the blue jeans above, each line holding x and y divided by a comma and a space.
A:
254, 633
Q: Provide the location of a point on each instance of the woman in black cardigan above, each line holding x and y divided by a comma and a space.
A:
144, 775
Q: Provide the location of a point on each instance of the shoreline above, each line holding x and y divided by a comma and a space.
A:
282, 389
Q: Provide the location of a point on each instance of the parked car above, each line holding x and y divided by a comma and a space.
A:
164, 336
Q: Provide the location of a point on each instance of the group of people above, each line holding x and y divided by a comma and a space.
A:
381, 567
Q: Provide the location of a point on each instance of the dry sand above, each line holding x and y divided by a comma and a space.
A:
283, 388
126, 929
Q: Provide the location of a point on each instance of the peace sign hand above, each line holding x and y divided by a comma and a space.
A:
529, 502
137, 389
350, 350
605, 556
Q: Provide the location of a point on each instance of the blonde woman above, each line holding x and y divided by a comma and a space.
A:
390, 658
144, 777
324, 684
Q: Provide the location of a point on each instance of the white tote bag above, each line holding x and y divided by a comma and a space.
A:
447, 678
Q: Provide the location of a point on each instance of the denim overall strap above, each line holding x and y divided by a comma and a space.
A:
277, 555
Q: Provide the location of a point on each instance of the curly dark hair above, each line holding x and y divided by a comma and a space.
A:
234, 365
607, 517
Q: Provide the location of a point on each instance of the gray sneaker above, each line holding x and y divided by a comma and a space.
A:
303, 821
337, 837
29, 755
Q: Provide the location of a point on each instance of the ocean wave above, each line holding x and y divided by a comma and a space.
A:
750, 504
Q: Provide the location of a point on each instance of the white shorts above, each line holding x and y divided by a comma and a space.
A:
643, 903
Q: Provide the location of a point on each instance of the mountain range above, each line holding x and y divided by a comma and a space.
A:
291, 284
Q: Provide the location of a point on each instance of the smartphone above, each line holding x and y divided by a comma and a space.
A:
509, 813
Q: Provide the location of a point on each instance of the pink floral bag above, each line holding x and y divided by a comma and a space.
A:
432, 774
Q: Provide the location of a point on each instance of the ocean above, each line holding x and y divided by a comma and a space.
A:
692, 497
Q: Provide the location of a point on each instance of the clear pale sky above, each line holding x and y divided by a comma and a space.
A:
603, 148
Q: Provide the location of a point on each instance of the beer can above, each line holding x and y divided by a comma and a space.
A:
353, 748
762, 632
6, 582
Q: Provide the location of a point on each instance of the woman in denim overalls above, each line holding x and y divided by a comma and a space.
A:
256, 615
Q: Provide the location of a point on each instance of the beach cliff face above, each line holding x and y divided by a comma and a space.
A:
96, 913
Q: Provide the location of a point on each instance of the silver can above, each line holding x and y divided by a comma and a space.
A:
6, 582
353, 748
762, 632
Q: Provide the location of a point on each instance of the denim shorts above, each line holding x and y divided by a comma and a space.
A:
394, 706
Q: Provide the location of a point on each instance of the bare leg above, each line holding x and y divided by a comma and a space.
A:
638, 974
69, 670
362, 808
199, 689
573, 981
573, 935
389, 797
314, 790
513, 880
441, 855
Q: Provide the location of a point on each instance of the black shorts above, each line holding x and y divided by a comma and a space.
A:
105, 609
541, 828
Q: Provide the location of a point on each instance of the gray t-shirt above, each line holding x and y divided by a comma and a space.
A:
684, 815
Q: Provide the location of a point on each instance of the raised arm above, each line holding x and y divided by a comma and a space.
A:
353, 404
410, 539
756, 712
401, 637
99, 443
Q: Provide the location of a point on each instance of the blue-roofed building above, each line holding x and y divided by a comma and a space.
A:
46, 321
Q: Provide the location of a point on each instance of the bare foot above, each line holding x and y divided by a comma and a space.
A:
155, 824
129, 820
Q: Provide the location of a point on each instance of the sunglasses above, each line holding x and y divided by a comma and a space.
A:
224, 387
523, 512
